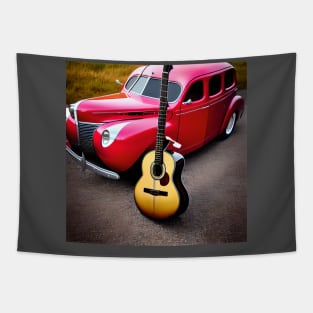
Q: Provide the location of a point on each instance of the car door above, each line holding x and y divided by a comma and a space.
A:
216, 106
193, 119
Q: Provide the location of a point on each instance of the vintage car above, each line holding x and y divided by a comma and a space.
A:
108, 134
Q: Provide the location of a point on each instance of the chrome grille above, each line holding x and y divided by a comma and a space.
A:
86, 131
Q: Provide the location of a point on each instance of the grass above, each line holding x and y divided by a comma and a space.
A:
241, 72
87, 79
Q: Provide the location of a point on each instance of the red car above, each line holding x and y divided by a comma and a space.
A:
118, 129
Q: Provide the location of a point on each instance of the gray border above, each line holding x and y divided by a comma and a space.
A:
271, 202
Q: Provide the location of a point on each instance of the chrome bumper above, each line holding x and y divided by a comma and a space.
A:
97, 169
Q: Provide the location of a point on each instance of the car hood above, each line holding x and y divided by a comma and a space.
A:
116, 107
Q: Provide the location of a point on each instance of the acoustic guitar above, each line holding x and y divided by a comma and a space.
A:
159, 193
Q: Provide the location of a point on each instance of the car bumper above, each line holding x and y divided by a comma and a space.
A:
93, 167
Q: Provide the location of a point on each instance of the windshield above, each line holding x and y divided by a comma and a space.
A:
151, 87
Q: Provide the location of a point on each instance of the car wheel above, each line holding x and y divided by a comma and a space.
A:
230, 126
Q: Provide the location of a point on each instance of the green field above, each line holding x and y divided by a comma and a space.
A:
241, 71
86, 79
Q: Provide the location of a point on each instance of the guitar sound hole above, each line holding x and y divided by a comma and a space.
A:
157, 170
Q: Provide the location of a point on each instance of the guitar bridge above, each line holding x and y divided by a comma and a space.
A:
155, 192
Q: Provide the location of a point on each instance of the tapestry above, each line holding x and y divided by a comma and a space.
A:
156, 159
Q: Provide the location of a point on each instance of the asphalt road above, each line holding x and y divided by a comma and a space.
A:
103, 211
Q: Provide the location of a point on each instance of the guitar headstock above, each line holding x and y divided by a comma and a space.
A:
167, 67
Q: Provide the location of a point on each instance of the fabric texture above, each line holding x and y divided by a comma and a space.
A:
52, 221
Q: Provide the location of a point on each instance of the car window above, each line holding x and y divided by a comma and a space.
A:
130, 82
215, 85
229, 78
140, 84
195, 91
173, 91
153, 89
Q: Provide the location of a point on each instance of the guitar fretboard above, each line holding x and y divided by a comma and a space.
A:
162, 115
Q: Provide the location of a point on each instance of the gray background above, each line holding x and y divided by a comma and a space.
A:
270, 162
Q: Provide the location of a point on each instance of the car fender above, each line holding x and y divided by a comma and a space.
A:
133, 140
71, 130
236, 105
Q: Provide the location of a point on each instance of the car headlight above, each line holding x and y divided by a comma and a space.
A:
110, 134
105, 138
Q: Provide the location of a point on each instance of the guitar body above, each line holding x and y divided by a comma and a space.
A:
159, 193
163, 196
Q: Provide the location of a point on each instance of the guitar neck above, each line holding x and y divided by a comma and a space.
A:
162, 115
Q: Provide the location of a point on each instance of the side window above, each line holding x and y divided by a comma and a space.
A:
195, 91
215, 85
229, 78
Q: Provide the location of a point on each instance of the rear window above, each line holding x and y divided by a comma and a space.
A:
229, 78
215, 85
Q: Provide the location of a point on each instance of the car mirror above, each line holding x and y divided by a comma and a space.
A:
188, 101
118, 82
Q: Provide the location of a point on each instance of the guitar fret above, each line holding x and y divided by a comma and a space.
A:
162, 115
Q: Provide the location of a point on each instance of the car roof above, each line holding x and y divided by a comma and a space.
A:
183, 73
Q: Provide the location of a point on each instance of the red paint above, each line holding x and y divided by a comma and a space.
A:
71, 130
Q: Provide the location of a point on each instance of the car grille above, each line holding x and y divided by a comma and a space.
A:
86, 131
